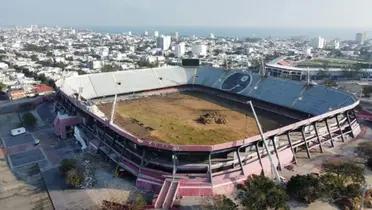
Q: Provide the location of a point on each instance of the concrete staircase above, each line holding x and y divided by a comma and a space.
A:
167, 194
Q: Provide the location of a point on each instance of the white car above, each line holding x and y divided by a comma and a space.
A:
36, 141
17, 131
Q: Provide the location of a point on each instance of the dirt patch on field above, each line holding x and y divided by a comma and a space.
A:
174, 118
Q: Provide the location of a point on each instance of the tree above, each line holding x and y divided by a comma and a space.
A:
260, 192
325, 64
323, 74
367, 90
221, 202
304, 188
330, 83
341, 180
137, 203
29, 119
369, 163
42, 78
74, 178
34, 57
346, 172
2, 86
108, 68
67, 165
365, 149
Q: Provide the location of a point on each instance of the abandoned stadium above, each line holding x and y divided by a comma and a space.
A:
296, 117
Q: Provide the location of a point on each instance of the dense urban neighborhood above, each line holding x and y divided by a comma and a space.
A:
33, 55
153, 120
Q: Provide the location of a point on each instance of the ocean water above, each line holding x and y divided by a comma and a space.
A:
240, 32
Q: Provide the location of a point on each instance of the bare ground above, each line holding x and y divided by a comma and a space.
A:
173, 118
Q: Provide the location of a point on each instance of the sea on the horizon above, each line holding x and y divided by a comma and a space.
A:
241, 32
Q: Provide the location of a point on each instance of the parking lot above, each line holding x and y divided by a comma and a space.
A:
22, 186
27, 157
10, 141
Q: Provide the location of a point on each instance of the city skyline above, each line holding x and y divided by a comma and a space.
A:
236, 13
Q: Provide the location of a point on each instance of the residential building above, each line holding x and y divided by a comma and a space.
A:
163, 42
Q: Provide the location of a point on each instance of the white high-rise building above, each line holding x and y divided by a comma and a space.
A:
176, 35
163, 42
180, 50
336, 44
212, 36
199, 50
156, 33
360, 38
318, 42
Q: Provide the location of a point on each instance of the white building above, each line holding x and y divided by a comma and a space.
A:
318, 42
360, 38
163, 42
307, 51
156, 33
199, 50
96, 64
336, 44
3, 65
102, 51
176, 35
180, 49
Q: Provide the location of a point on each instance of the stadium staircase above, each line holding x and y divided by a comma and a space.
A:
167, 194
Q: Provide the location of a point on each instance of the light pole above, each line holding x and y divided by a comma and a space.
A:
115, 99
273, 167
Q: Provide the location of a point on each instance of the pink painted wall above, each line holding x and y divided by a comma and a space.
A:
61, 124
146, 186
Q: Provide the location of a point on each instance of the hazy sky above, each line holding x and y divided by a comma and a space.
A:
226, 13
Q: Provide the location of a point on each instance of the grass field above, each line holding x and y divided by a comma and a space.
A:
331, 63
174, 119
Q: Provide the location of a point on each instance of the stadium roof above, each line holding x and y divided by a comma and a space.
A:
315, 99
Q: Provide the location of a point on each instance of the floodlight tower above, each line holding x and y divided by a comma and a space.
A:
308, 76
262, 70
273, 167
115, 98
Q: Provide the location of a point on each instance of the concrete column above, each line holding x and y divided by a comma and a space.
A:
276, 153
174, 159
349, 122
143, 157
317, 136
210, 168
329, 132
306, 146
259, 157
240, 160
339, 127
291, 146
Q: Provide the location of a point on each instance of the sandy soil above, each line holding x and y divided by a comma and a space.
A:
22, 191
